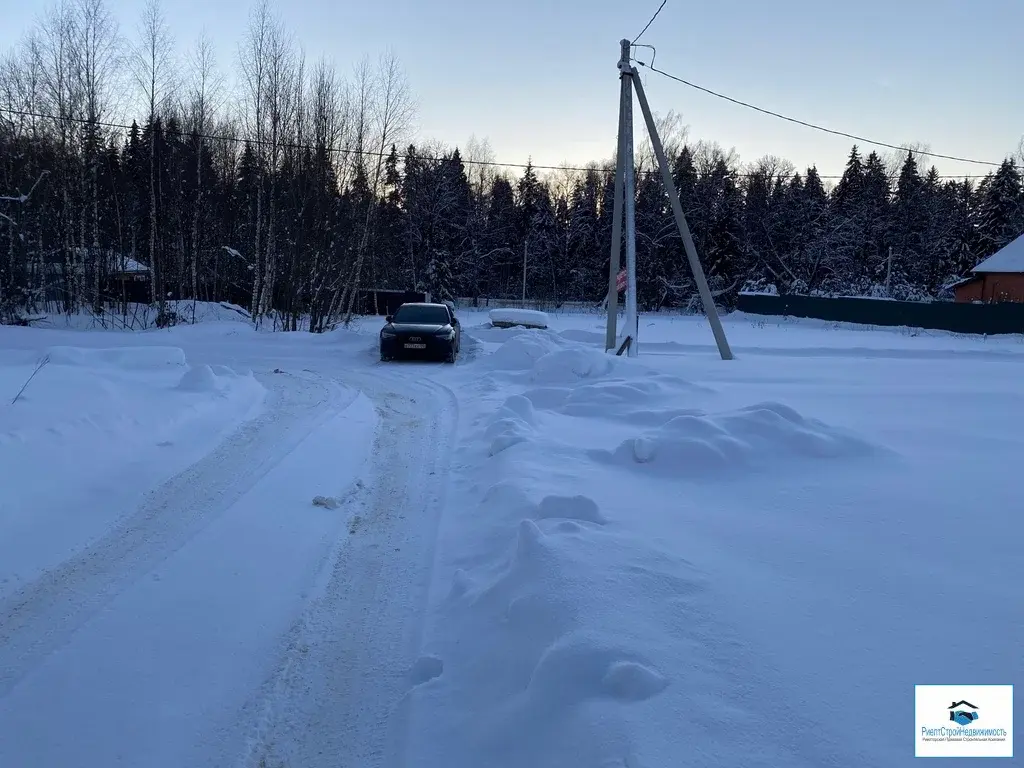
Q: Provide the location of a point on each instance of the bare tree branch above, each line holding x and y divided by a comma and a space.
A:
25, 197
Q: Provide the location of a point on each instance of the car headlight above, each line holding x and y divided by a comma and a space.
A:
386, 334
447, 334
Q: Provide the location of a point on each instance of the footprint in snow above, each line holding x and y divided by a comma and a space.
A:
426, 669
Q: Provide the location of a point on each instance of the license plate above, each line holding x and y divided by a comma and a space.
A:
415, 346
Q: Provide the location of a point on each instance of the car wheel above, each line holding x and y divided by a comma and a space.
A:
451, 355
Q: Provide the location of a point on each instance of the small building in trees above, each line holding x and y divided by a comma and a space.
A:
384, 301
1000, 277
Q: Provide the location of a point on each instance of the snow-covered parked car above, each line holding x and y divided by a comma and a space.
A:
526, 318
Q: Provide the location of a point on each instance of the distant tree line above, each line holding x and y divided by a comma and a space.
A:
304, 187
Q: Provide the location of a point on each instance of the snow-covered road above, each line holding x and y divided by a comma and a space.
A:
227, 618
353, 656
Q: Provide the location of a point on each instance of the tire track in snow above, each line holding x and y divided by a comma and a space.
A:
40, 617
337, 697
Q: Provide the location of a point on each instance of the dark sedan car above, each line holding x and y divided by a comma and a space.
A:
423, 331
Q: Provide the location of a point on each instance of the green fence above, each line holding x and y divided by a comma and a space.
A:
1006, 317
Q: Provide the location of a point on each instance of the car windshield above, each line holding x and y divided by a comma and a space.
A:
422, 314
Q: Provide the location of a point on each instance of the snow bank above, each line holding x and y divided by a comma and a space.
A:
127, 358
528, 318
511, 425
552, 634
570, 365
201, 378
551, 629
522, 352
107, 423
202, 621
689, 445
639, 563
140, 317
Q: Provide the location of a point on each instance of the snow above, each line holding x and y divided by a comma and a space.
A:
139, 358
220, 546
229, 594
1010, 258
645, 559
529, 318
138, 317
94, 429
130, 265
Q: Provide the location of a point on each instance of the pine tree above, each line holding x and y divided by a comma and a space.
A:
876, 212
848, 196
531, 231
455, 211
817, 234
939, 211
909, 225
721, 230
541, 248
1001, 211
758, 214
390, 226
586, 253
848, 223
439, 278
657, 242
501, 238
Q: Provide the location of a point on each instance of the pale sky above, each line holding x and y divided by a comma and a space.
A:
538, 78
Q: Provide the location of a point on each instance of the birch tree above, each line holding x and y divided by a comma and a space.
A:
96, 58
204, 94
63, 102
391, 112
254, 59
280, 110
154, 73
329, 121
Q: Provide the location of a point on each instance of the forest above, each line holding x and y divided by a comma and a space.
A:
295, 188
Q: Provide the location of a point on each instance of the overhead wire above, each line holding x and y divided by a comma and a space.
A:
648, 25
265, 142
816, 127
361, 152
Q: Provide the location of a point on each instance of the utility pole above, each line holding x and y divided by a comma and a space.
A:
684, 230
625, 203
888, 275
629, 200
526, 243
625, 97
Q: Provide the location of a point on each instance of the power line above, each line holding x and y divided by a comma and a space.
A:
363, 152
637, 38
811, 125
287, 145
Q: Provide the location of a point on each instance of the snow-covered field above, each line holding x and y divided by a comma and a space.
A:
226, 547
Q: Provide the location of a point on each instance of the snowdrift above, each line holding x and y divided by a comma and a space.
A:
106, 423
689, 445
563, 635
139, 317
125, 358
521, 352
546, 358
